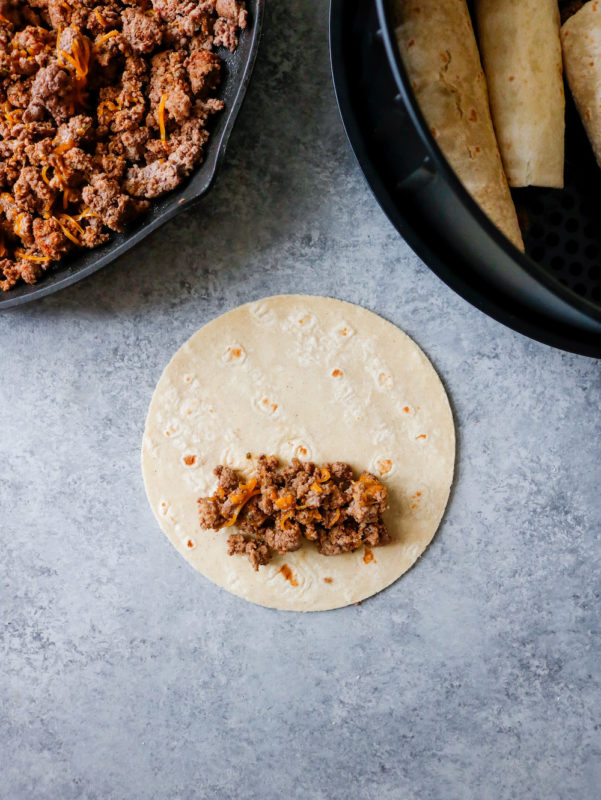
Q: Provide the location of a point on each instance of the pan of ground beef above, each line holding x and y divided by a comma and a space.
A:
279, 508
114, 117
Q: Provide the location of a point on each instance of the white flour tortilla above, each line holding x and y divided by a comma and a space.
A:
581, 42
437, 44
310, 377
521, 52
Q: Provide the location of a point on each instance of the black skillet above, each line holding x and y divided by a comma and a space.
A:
237, 71
553, 292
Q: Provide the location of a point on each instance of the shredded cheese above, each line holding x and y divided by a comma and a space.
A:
106, 36
17, 225
85, 214
68, 233
162, 118
63, 147
284, 502
73, 222
22, 254
100, 18
285, 520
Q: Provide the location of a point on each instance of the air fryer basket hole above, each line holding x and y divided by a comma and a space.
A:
538, 253
572, 225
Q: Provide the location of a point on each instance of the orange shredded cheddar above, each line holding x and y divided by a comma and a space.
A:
68, 233
27, 257
162, 117
45, 174
63, 147
59, 33
240, 498
100, 18
17, 223
284, 502
2, 247
107, 104
4, 19
284, 521
73, 222
324, 475
85, 214
233, 519
336, 517
65, 199
106, 36
243, 492
316, 488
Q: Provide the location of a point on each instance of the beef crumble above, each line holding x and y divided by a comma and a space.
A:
104, 105
277, 508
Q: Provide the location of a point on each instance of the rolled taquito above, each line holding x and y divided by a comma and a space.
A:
581, 42
521, 54
438, 46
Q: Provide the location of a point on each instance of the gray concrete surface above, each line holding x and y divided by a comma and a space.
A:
126, 675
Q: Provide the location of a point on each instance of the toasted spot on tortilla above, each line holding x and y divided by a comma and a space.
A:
384, 466
288, 575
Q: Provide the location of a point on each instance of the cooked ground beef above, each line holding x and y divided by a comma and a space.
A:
104, 104
277, 508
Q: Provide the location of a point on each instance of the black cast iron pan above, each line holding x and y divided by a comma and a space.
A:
237, 71
553, 293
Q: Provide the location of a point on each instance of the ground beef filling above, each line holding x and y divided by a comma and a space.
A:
277, 508
104, 105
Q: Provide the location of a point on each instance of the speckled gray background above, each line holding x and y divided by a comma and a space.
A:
126, 675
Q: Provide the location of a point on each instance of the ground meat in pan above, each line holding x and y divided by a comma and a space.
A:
103, 106
277, 508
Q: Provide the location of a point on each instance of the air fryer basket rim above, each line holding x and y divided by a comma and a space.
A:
434, 152
346, 55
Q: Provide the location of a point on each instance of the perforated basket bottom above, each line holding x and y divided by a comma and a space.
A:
563, 231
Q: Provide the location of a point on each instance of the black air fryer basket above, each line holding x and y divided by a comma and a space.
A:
553, 292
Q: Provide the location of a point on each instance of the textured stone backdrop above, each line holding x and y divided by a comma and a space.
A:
126, 675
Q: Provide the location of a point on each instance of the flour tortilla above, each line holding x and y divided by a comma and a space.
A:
437, 44
521, 52
264, 378
581, 42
